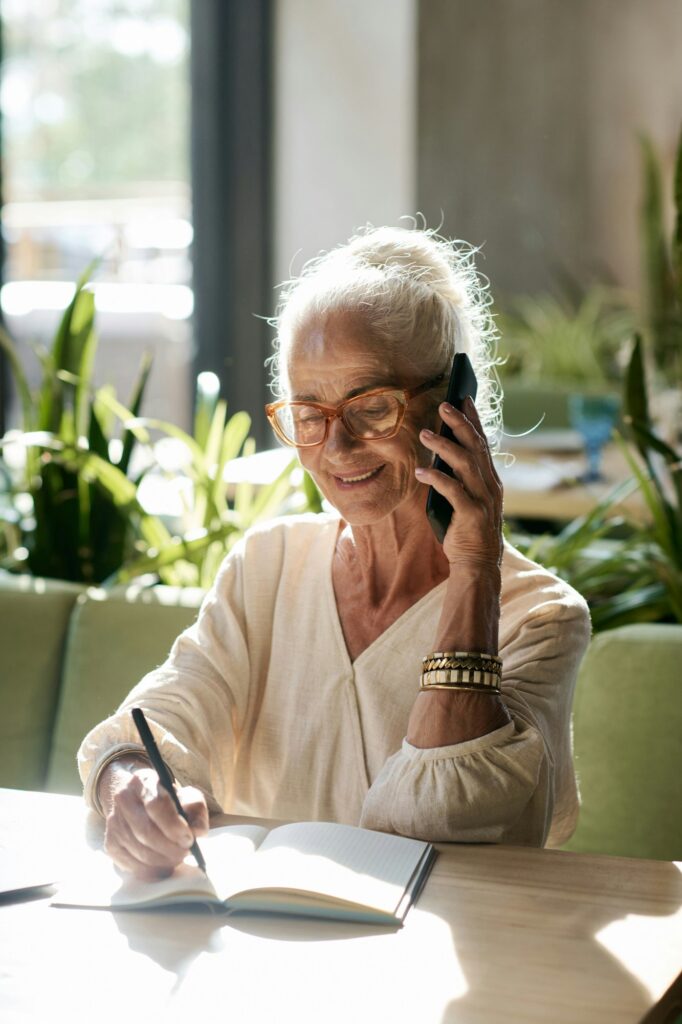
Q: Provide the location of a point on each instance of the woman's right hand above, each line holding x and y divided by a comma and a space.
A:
144, 833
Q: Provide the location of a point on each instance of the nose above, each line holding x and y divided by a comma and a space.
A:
338, 438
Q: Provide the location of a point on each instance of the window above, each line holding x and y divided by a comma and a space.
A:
95, 103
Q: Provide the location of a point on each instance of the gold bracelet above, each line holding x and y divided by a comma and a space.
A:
459, 678
461, 670
424, 687
456, 659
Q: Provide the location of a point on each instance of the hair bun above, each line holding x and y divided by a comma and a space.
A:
419, 257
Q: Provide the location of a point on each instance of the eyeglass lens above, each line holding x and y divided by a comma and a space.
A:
368, 417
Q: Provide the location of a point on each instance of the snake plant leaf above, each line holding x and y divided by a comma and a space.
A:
67, 428
635, 396
660, 508
97, 441
269, 499
214, 439
583, 527
210, 495
53, 544
647, 438
8, 347
641, 604
234, 442
135, 405
234, 437
244, 490
658, 271
106, 399
62, 345
84, 346
313, 496
73, 333
175, 548
123, 493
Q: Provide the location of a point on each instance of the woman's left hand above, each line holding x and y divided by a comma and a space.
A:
474, 536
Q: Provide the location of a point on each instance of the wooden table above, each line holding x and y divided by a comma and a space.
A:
541, 481
500, 934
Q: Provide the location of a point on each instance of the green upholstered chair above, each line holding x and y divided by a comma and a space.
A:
628, 743
114, 638
34, 615
525, 405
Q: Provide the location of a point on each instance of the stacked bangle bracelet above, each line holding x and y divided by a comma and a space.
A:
461, 670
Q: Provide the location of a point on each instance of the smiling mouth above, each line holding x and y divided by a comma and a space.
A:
358, 478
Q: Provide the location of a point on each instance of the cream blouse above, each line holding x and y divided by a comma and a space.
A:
259, 705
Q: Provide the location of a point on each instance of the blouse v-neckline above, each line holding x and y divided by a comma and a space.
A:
398, 624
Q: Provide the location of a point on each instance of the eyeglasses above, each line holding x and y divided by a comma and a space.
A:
372, 416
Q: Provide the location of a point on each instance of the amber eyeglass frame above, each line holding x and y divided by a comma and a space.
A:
332, 412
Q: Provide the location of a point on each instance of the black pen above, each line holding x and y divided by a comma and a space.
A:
165, 777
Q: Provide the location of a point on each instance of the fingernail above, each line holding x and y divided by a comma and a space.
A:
427, 433
447, 407
470, 402
186, 841
419, 471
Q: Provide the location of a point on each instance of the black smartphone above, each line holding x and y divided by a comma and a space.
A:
462, 383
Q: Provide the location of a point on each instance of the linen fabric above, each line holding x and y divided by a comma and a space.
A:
260, 706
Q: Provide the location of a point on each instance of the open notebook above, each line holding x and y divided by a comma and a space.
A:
312, 868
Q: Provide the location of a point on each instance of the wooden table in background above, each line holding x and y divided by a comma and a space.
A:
541, 483
500, 934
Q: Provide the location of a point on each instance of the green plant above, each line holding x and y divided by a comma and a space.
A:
210, 523
662, 263
627, 571
565, 339
70, 506
659, 475
75, 510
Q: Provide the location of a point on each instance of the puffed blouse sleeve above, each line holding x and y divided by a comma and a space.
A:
196, 702
514, 784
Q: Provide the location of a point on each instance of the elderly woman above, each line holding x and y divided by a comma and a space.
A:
297, 692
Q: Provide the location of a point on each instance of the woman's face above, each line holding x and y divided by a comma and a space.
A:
365, 480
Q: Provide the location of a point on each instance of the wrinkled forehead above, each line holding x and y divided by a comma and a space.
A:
339, 351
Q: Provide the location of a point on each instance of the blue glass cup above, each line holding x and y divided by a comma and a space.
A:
594, 417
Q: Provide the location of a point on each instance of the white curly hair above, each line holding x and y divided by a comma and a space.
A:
418, 293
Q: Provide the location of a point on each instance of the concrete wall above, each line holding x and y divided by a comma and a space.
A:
345, 134
528, 115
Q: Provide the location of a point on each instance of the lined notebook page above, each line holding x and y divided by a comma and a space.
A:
352, 864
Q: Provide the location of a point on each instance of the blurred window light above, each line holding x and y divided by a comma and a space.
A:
176, 302
95, 105
94, 98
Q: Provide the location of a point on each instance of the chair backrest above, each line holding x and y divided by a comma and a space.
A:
627, 723
34, 614
115, 637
